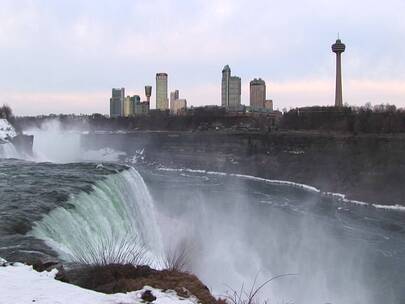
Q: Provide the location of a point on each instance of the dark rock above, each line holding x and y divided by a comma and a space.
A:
148, 296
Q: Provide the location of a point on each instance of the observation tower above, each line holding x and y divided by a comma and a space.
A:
338, 48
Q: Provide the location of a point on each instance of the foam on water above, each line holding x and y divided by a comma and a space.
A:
337, 196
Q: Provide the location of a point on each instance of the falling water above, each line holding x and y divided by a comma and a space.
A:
7, 150
119, 210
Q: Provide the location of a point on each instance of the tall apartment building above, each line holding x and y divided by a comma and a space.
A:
179, 107
257, 94
173, 96
117, 102
231, 90
268, 105
162, 103
140, 108
128, 107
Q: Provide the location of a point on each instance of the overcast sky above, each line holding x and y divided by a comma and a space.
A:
65, 56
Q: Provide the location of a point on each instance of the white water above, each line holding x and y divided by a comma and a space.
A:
338, 196
120, 206
7, 150
54, 144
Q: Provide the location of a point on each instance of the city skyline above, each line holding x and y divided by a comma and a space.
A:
65, 57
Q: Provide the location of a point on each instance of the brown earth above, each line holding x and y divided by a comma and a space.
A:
117, 278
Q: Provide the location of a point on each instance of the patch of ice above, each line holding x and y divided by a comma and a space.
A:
278, 182
342, 197
390, 207
298, 152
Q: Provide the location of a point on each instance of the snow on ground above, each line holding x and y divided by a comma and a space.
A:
20, 284
6, 129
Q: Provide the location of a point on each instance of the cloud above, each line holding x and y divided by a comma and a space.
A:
90, 46
34, 103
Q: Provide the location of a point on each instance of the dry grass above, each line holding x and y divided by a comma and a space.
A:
178, 258
113, 249
250, 295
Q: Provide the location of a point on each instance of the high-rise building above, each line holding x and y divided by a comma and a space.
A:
179, 106
338, 48
173, 96
135, 101
162, 103
140, 108
128, 107
257, 94
268, 105
231, 90
148, 93
117, 102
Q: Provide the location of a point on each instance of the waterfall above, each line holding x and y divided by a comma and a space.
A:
115, 218
7, 150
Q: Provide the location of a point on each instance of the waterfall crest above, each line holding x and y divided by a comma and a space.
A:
116, 217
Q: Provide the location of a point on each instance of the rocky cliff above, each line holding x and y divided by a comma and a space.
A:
368, 168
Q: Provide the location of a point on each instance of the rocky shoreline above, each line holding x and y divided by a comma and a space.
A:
368, 168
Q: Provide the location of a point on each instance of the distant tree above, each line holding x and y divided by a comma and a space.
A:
384, 118
6, 112
368, 106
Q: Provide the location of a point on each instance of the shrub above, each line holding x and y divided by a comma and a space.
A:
125, 249
178, 258
250, 296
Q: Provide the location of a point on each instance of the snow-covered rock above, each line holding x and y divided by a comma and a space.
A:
6, 129
21, 284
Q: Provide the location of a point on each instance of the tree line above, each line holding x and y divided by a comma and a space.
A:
366, 119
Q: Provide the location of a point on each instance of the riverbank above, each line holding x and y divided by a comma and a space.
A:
20, 283
368, 168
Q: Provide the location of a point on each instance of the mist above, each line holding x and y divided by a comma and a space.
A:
54, 143
239, 232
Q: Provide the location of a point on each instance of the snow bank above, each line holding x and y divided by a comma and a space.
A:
6, 129
20, 284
